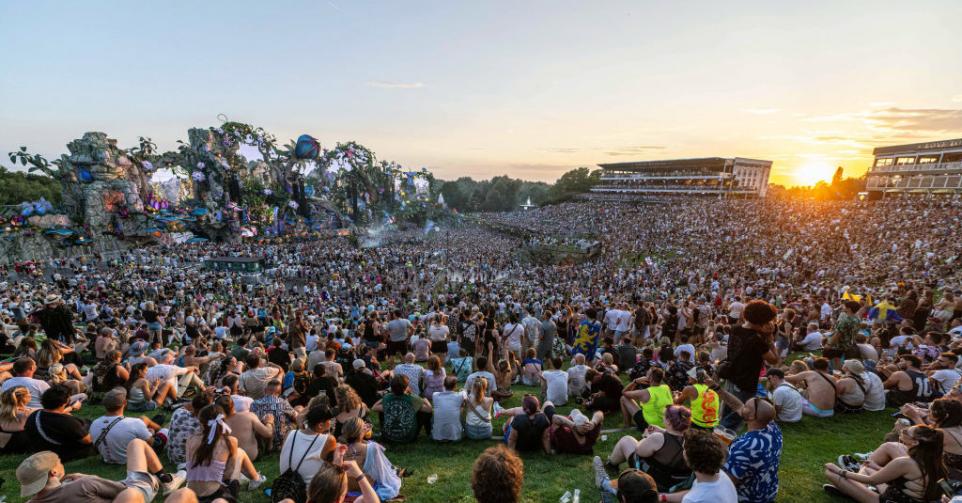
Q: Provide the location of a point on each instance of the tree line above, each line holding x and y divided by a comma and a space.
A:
503, 193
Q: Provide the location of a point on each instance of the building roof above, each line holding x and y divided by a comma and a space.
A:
709, 163
717, 163
918, 147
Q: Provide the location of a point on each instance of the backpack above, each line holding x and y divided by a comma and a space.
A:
290, 484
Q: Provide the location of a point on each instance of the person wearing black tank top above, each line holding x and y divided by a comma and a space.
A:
908, 384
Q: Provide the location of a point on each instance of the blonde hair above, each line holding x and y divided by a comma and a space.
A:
49, 354
347, 399
11, 401
352, 430
479, 390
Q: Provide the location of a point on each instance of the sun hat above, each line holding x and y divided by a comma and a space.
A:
52, 299
33, 472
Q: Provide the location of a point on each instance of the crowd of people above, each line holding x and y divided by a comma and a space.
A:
700, 328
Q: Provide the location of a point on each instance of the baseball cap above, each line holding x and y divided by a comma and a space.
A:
33, 472
358, 364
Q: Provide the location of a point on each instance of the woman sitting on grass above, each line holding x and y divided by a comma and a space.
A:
142, 395
477, 415
659, 453
214, 460
349, 406
910, 478
13, 417
371, 458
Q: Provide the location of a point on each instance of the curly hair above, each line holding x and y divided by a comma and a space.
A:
347, 399
704, 452
497, 476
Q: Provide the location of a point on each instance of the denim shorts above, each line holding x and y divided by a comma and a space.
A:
146, 482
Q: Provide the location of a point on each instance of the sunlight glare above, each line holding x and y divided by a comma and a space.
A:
813, 172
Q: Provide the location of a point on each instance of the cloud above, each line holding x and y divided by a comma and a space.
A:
761, 111
635, 150
386, 84
914, 119
563, 150
957, 98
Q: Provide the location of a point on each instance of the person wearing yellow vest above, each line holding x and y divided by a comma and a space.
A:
646, 407
705, 404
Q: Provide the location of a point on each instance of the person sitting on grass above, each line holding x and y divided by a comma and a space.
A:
279, 410
184, 424
349, 406
331, 482
497, 476
531, 368
576, 433
215, 461
943, 413
705, 454
477, 415
370, 456
659, 453
554, 383
53, 428
606, 391
144, 395
820, 391
785, 397
43, 479
446, 423
14, 411
112, 432
402, 413
528, 429
504, 373
705, 404
754, 456
306, 449
912, 477
632, 486
246, 427
652, 399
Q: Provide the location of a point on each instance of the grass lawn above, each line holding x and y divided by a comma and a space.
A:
808, 445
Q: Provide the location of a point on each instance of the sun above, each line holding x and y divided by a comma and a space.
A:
813, 172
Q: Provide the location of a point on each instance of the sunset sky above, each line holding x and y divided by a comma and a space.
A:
529, 89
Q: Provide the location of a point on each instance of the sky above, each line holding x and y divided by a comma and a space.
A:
529, 89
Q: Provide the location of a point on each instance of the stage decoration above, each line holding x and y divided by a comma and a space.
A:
217, 189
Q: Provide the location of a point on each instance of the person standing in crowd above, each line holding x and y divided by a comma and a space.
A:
750, 346
56, 320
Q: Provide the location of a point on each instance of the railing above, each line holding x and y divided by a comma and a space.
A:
624, 178
934, 167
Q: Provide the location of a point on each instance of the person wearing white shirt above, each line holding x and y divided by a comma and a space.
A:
446, 423
23, 370
947, 374
112, 432
687, 348
576, 376
310, 343
787, 399
554, 383
812, 340
735, 310
874, 392
705, 454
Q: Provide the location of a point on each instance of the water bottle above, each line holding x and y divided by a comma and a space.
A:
577, 498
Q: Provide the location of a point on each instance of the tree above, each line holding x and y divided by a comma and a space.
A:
17, 187
576, 181
837, 177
